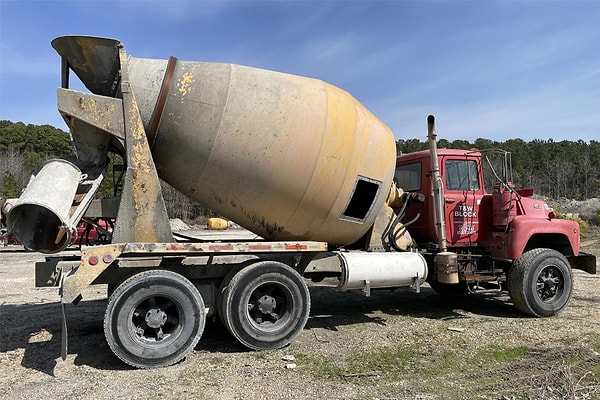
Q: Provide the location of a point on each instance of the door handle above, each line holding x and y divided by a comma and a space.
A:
450, 201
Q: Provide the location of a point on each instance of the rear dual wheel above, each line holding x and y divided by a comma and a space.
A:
264, 305
154, 319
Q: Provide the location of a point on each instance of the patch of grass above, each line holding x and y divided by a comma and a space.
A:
396, 361
501, 354
590, 339
389, 361
456, 373
320, 367
596, 375
448, 362
595, 342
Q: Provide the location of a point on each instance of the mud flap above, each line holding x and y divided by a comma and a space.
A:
64, 347
63, 341
64, 335
585, 262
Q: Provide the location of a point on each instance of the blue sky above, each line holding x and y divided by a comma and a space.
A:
491, 69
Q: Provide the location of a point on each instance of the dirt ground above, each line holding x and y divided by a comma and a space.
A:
392, 345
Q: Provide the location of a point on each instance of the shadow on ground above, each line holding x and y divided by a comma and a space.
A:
36, 328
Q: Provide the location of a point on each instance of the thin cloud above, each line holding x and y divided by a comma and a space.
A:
174, 11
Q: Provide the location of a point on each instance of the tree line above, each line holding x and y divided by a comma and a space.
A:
565, 169
24, 147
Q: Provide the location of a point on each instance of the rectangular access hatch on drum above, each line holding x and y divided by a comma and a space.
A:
362, 199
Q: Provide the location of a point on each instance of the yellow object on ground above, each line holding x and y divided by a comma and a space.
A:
217, 224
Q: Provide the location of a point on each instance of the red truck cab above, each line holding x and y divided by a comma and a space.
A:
505, 223
499, 237
463, 195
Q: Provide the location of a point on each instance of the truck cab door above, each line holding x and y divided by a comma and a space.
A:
463, 190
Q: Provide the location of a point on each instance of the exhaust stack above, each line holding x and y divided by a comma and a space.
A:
446, 262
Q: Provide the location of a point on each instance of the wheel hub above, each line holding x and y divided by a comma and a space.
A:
156, 318
549, 283
267, 304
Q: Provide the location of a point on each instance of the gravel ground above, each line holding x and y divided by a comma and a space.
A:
392, 345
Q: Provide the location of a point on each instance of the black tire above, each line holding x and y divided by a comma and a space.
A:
223, 289
540, 283
265, 305
449, 289
110, 289
154, 319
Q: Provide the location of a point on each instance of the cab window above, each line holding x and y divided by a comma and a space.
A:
408, 177
462, 175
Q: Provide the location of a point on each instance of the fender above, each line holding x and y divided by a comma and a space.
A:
529, 232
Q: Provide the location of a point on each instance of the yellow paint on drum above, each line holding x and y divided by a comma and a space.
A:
285, 156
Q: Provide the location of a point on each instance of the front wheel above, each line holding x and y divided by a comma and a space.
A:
540, 283
154, 319
265, 305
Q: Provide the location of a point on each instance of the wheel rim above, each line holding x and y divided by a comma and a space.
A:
550, 284
269, 306
155, 321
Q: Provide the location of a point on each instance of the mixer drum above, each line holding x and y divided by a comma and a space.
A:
287, 157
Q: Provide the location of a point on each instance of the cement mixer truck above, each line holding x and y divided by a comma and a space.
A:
298, 162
